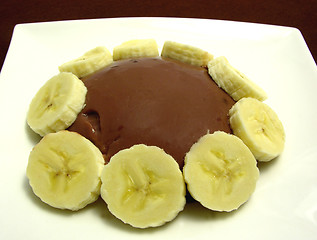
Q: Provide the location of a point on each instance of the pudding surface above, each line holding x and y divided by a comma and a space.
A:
154, 101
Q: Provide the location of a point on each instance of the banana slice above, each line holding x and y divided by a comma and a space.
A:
259, 128
186, 53
64, 170
56, 105
143, 186
136, 48
90, 62
220, 171
235, 83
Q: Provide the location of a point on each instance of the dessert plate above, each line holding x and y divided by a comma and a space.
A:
284, 204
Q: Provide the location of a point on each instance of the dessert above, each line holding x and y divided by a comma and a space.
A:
57, 104
220, 171
64, 170
137, 49
88, 63
234, 82
259, 128
145, 114
143, 186
152, 101
186, 53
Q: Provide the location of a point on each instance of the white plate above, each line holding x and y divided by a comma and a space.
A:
284, 205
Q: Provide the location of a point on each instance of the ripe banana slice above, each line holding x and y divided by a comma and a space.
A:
90, 62
136, 48
235, 83
220, 171
57, 104
259, 128
64, 170
186, 53
143, 186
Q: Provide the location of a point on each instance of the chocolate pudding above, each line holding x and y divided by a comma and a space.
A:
153, 101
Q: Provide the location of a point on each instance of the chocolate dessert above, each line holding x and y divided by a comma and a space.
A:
154, 101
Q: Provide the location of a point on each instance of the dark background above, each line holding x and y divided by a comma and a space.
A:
298, 14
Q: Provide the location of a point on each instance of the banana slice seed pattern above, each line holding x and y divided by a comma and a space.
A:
142, 184
229, 170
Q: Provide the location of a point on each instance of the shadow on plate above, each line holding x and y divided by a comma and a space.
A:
266, 166
45, 207
194, 211
100, 207
32, 136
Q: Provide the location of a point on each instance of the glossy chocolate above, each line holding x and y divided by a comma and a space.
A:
153, 101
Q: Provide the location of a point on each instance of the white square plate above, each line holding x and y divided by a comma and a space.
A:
284, 205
